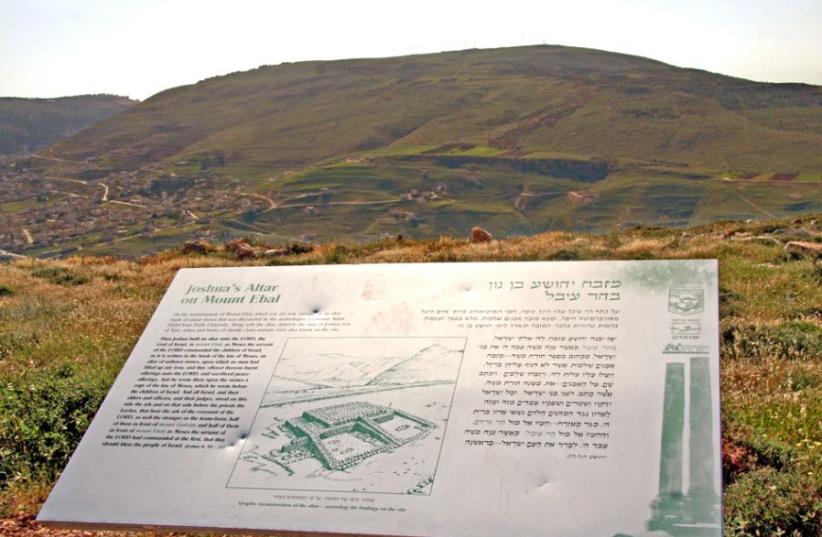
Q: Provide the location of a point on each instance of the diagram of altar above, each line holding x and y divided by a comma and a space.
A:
353, 414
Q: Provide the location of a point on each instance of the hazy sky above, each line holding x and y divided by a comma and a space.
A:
140, 47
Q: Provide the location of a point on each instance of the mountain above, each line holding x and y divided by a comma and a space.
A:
431, 364
27, 125
334, 369
519, 140
526, 100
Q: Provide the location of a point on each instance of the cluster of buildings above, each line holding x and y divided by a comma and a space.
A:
39, 211
342, 436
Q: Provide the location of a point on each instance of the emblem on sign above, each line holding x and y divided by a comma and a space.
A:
686, 327
686, 301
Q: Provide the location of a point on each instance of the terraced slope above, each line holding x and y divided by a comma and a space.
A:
527, 100
519, 140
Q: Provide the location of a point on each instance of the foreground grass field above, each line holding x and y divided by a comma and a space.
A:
66, 327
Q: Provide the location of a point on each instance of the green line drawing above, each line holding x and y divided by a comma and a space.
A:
353, 414
342, 436
703, 498
697, 513
686, 301
673, 422
683, 348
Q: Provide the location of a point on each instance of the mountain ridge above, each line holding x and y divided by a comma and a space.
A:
429, 364
255, 102
30, 124
519, 140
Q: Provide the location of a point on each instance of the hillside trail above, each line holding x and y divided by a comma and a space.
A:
333, 203
50, 156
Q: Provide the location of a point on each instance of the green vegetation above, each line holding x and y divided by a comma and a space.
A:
59, 275
16, 206
523, 140
27, 125
44, 417
62, 344
483, 103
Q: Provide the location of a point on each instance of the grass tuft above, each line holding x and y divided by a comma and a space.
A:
59, 275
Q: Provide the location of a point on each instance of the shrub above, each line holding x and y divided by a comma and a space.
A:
43, 415
793, 339
60, 276
728, 301
564, 255
11, 344
768, 502
336, 255
768, 452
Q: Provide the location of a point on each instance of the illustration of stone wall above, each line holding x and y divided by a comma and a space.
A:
314, 430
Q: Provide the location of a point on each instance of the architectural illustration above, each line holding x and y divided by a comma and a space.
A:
353, 414
343, 435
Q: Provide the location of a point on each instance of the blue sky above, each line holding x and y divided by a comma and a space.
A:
137, 48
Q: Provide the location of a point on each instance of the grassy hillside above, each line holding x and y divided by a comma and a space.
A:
27, 125
67, 326
521, 140
525, 100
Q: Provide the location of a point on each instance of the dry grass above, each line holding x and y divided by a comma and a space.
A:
67, 326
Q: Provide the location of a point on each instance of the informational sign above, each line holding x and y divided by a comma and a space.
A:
429, 400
